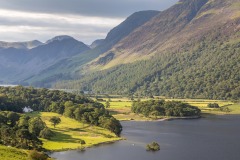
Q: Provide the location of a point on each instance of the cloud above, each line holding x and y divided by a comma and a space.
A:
102, 8
85, 20
43, 26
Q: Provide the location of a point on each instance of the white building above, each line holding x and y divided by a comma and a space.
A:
27, 109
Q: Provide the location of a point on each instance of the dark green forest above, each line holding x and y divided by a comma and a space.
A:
208, 69
21, 131
164, 108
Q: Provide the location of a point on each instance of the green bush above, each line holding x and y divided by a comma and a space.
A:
35, 155
154, 146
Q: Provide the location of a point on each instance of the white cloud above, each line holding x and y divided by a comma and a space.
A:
43, 26
86, 20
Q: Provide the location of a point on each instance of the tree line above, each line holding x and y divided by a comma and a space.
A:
156, 108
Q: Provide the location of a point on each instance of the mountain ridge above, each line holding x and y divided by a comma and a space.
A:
192, 55
19, 64
20, 45
70, 66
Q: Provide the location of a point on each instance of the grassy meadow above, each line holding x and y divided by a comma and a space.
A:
10, 153
69, 132
120, 108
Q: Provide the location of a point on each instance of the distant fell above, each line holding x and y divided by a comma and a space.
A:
20, 62
70, 67
20, 45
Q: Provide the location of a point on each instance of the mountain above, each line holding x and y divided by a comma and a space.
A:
67, 68
20, 45
60, 38
96, 43
18, 64
190, 50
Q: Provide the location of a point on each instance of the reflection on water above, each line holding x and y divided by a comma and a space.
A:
215, 138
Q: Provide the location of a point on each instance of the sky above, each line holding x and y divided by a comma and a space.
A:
85, 20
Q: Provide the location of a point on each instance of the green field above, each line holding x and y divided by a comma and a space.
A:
70, 131
120, 108
10, 153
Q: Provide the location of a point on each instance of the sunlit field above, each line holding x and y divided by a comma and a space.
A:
120, 108
69, 132
10, 153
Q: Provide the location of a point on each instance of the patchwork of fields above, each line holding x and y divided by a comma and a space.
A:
121, 107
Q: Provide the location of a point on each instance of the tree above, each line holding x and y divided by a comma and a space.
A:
23, 122
213, 105
82, 142
25, 137
46, 133
55, 121
69, 112
107, 104
111, 124
225, 109
13, 118
36, 125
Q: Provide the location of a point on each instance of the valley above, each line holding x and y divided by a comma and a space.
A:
168, 77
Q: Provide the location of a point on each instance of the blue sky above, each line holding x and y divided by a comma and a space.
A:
85, 20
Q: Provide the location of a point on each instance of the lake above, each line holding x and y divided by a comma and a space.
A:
212, 138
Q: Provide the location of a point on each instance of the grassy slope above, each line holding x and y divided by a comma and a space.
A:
9, 153
70, 131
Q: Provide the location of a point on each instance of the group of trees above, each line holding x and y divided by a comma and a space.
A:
74, 106
94, 114
156, 108
16, 98
21, 131
213, 105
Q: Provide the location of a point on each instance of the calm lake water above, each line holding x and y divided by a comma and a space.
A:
214, 138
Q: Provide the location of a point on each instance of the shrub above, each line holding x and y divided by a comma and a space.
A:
154, 146
213, 105
35, 155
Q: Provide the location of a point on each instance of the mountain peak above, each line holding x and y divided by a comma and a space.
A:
59, 38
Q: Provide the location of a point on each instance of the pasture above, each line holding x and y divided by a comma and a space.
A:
69, 132
10, 153
120, 108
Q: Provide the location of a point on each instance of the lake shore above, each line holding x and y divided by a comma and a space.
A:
85, 147
188, 135
165, 119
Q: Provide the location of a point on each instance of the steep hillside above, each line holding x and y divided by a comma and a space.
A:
190, 50
186, 21
18, 64
66, 68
